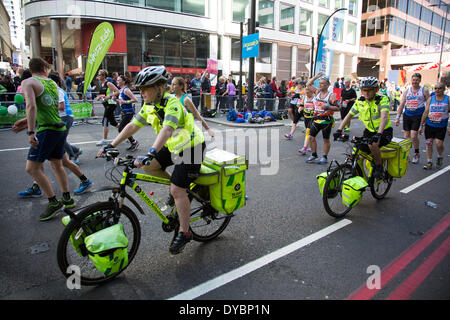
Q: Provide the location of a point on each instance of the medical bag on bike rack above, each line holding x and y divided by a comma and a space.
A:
352, 190
398, 166
228, 195
333, 186
107, 249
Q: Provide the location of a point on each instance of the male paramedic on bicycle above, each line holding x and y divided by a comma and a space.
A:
373, 111
178, 140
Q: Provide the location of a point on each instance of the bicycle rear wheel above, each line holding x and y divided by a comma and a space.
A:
206, 223
380, 187
95, 217
332, 191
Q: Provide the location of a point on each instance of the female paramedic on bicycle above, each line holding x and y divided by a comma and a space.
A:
374, 113
179, 141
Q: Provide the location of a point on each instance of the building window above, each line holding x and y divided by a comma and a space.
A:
351, 33
265, 53
321, 22
324, 3
435, 39
306, 22
424, 36
235, 49
170, 47
338, 4
241, 10
287, 14
265, 14
196, 7
412, 31
363, 28
353, 7
437, 21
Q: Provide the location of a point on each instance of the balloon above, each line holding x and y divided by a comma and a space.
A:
12, 109
18, 98
3, 111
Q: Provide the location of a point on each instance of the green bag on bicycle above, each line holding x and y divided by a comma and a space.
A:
228, 195
352, 191
78, 241
398, 165
322, 178
108, 249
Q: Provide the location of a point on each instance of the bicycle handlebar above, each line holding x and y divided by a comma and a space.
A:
354, 139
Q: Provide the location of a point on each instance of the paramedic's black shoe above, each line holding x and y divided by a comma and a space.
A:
179, 242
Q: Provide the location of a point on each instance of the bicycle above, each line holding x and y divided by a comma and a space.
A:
354, 165
206, 223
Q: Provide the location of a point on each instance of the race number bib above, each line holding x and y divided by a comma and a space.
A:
435, 117
309, 106
412, 105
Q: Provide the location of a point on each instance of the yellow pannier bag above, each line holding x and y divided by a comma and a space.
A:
352, 191
322, 178
398, 165
228, 195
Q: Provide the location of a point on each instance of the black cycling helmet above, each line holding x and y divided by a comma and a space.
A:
150, 76
369, 82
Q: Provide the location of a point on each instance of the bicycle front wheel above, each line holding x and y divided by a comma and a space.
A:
380, 187
332, 191
206, 223
72, 252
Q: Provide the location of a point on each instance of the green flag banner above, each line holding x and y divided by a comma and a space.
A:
81, 110
101, 40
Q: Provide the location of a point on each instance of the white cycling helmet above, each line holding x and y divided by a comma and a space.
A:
369, 82
151, 75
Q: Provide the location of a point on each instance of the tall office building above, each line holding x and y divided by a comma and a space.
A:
399, 33
183, 34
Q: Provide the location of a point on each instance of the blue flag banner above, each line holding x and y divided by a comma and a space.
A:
250, 46
325, 51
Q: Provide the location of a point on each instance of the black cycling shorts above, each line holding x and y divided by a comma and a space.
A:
187, 164
315, 128
411, 122
308, 122
386, 137
296, 115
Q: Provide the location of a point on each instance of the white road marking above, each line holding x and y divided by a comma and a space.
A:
258, 263
425, 180
26, 148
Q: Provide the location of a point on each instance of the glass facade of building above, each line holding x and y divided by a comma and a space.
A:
170, 47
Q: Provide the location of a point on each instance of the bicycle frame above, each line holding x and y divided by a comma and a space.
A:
129, 179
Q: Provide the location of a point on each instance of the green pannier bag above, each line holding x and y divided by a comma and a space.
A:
398, 165
207, 176
322, 178
108, 249
228, 195
352, 191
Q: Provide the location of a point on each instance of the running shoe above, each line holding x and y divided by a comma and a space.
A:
439, 162
322, 160
428, 166
415, 158
302, 151
84, 186
311, 159
180, 242
103, 142
52, 209
288, 136
33, 192
68, 203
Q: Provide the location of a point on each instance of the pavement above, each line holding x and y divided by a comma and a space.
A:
221, 118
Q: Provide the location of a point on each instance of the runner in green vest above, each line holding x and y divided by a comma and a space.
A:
47, 139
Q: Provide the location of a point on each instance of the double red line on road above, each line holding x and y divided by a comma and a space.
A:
409, 285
